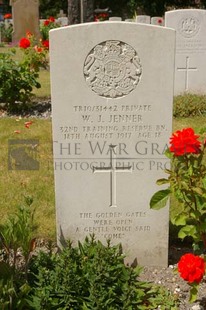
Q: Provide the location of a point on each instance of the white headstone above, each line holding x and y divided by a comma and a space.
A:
190, 67
143, 19
129, 20
158, 21
112, 118
115, 19
63, 21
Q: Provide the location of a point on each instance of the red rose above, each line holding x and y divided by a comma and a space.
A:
24, 43
184, 142
45, 44
7, 16
46, 22
51, 19
38, 49
191, 268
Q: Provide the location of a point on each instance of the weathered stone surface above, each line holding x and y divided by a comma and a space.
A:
112, 93
25, 14
190, 64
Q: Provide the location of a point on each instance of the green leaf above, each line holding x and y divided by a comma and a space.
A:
159, 199
168, 153
193, 292
204, 182
179, 220
5, 271
162, 181
197, 190
190, 170
188, 230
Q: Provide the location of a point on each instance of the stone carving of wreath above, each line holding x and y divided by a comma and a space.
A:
189, 27
112, 69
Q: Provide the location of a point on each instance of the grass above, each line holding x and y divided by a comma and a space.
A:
44, 80
39, 183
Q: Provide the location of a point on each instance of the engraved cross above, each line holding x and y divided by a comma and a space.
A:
186, 70
112, 169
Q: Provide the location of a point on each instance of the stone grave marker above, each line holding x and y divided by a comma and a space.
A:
158, 21
63, 21
130, 20
190, 64
115, 19
109, 136
143, 19
25, 14
61, 14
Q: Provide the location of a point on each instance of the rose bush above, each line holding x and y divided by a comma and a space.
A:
101, 17
187, 183
35, 52
48, 24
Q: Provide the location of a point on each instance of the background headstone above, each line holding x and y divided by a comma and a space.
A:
129, 20
61, 14
115, 19
143, 19
25, 14
158, 21
190, 64
63, 21
109, 135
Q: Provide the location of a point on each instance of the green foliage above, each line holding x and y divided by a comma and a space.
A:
16, 80
48, 25
35, 56
193, 292
17, 234
92, 276
52, 7
88, 276
159, 199
189, 105
150, 7
6, 32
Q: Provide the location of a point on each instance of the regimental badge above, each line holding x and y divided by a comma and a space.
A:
112, 69
189, 27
